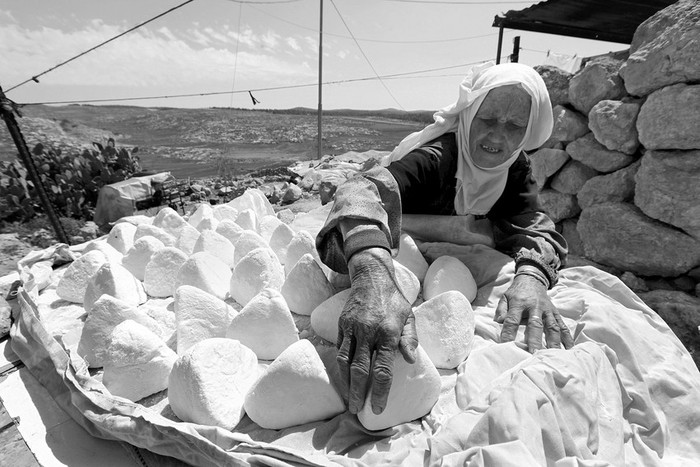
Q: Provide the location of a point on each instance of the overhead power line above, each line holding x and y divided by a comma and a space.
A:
35, 78
366, 58
235, 61
383, 41
459, 3
272, 88
262, 2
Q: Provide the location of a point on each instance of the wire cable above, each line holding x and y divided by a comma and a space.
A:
35, 78
272, 88
235, 60
366, 58
261, 2
383, 41
460, 3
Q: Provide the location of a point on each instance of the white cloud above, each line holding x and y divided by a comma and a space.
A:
142, 58
293, 44
199, 38
311, 43
270, 39
167, 33
246, 37
216, 35
7, 16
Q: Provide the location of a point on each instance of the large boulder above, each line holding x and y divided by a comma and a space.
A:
682, 314
670, 118
545, 163
593, 154
668, 188
665, 49
568, 124
557, 82
597, 81
619, 235
571, 178
614, 124
558, 206
609, 188
573, 239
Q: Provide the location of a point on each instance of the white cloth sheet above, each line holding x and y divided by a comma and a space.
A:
628, 393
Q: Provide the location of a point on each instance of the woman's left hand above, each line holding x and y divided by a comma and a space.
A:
527, 300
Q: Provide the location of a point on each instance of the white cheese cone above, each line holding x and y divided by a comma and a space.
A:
295, 389
208, 383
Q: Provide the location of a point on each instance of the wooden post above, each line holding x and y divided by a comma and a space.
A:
6, 108
320, 72
500, 45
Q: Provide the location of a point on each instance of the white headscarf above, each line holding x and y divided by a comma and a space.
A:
479, 188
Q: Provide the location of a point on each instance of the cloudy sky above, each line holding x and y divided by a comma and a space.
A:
420, 49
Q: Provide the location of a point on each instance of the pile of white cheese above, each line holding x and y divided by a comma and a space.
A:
205, 305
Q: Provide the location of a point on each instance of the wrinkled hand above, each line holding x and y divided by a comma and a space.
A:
527, 299
377, 318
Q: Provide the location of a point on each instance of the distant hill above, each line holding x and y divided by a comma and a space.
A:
425, 116
207, 142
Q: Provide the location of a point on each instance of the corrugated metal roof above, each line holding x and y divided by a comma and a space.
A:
605, 20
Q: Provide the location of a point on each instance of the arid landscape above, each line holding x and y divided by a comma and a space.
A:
202, 142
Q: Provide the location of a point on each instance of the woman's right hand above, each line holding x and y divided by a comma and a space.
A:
377, 318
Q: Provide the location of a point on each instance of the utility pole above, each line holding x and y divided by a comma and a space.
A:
8, 109
320, 73
515, 56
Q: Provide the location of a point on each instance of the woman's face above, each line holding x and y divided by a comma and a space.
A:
499, 125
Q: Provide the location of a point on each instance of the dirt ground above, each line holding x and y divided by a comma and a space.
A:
12, 249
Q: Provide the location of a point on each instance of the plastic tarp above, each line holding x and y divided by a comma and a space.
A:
119, 199
628, 393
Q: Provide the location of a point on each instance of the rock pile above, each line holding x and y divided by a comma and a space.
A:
621, 174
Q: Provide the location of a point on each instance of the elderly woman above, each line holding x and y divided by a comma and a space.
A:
443, 183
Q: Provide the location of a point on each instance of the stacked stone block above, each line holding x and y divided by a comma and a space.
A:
621, 174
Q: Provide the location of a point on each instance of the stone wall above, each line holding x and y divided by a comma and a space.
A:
621, 174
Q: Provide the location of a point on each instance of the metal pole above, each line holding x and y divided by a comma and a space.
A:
320, 73
6, 108
500, 44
